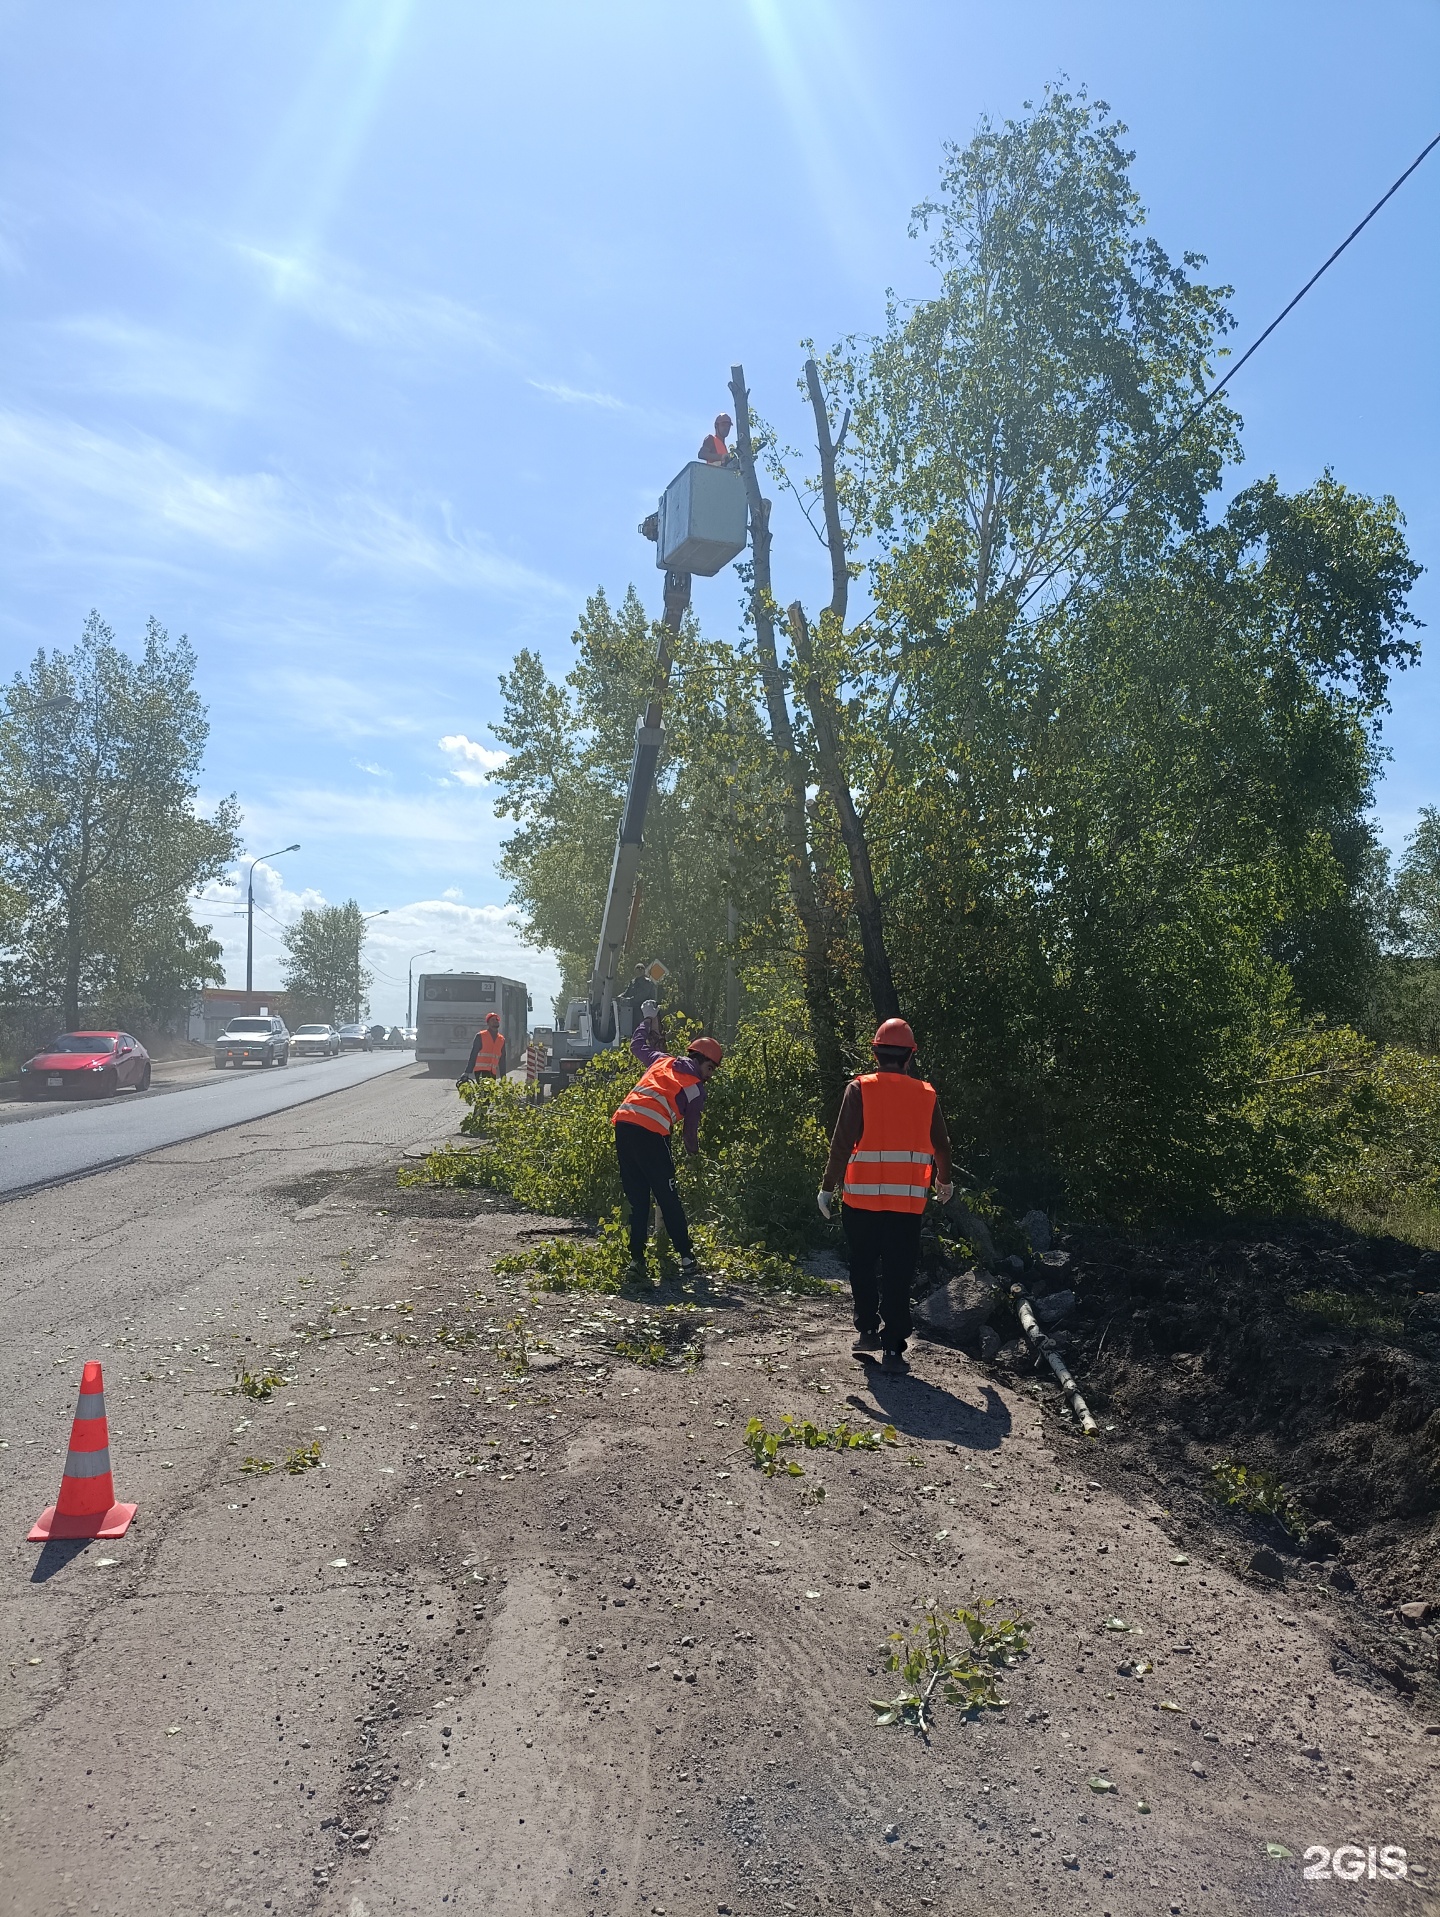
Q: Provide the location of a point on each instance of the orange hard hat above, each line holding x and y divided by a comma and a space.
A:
492, 1018
894, 1032
710, 1048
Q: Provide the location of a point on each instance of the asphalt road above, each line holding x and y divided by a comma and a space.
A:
44, 1144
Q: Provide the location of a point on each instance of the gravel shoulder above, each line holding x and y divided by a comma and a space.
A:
544, 1641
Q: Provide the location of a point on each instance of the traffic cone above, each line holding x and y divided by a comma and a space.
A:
86, 1507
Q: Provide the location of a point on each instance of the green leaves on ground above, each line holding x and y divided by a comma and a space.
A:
766, 1446
960, 1653
258, 1385
1259, 1494
305, 1457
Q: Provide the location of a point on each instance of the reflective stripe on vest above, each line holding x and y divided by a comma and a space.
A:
492, 1045
895, 1134
655, 1100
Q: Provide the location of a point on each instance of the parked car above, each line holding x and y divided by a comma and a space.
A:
86, 1065
355, 1038
315, 1041
253, 1041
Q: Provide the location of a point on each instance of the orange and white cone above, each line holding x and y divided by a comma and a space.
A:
86, 1507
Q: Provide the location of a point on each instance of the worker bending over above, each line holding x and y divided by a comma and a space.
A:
672, 1092
487, 1054
888, 1138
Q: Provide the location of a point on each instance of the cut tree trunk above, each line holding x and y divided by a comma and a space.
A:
815, 954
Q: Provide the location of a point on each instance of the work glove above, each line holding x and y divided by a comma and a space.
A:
825, 1200
945, 1193
650, 1011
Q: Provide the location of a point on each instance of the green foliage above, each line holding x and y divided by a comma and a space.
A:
1346, 1126
711, 828
765, 1446
101, 844
1417, 886
323, 972
966, 1671
258, 1385
305, 1457
1259, 1494
257, 1467
762, 1148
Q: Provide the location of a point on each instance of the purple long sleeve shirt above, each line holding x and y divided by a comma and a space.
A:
692, 1097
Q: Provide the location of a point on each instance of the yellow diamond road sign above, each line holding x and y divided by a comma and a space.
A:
657, 971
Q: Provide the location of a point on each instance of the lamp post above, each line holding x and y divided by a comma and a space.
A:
250, 913
365, 919
429, 952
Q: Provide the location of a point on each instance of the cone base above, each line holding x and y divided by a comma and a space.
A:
113, 1523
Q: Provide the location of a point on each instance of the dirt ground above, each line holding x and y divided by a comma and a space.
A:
545, 1641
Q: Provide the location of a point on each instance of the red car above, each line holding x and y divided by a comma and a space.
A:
86, 1065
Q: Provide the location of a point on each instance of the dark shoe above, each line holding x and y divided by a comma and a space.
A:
893, 1364
867, 1345
689, 1266
634, 1272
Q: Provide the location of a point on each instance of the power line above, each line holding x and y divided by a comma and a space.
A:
1119, 497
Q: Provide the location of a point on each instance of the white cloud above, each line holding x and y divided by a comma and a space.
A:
120, 356
453, 893
572, 396
472, 764
375, 771
331, 295
61, 469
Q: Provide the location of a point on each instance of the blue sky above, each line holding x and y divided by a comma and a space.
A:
354, 339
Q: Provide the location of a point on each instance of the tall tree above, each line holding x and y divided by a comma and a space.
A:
324, 970
712, 838
101, 845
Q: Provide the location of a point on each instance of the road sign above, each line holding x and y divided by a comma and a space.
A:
655, 972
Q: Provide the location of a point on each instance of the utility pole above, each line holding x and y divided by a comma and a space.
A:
365, 919
429, 952
250, 913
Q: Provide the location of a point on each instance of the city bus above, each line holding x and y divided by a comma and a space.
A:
450, 1008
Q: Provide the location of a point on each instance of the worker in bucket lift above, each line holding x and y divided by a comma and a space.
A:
487, 1054
889, 1138
671, 1092
713, 449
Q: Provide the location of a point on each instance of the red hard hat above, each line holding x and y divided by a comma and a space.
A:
710, 1048
894, 1032
492, 1018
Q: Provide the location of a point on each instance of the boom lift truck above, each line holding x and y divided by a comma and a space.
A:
699, 527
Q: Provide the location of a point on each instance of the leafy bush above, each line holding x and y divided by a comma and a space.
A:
967, 1675
1344, 1126
1245, 1487
762, 1146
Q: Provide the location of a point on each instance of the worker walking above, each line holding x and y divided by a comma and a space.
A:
671, 1092
487, 1054
889, 1138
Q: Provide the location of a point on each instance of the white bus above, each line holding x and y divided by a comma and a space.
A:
450, 1008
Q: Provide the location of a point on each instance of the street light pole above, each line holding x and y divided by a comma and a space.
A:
429, 952
365, 919
250, 913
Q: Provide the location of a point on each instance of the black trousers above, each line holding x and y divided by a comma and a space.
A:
646, 1167
884, 1251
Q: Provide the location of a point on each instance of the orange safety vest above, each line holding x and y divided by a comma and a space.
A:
890, 1169
492, 1045
655, 1101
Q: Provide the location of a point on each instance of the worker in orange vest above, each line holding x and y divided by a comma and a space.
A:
671, 1092
889, 1138
487, 1054
713, 449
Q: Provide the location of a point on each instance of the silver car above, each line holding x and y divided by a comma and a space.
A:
253, 1041
315, 1041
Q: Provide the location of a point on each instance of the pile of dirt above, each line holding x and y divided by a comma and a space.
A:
1302, 1351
